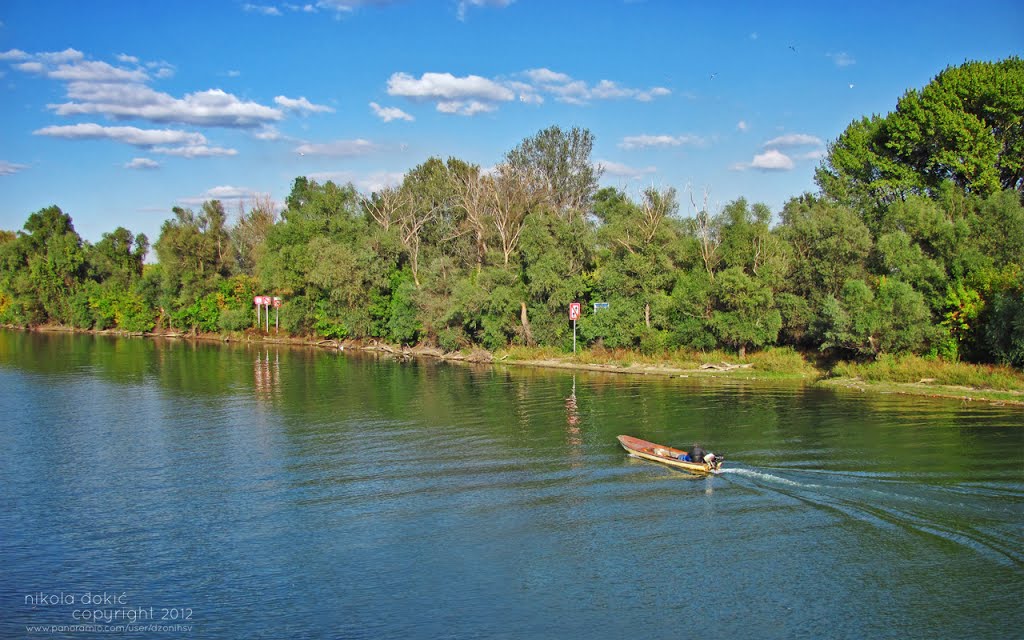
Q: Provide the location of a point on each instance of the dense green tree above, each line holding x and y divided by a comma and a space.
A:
562, 163
748, 242
329, 263
48, 268
556, 261
1003, 332
965, 126
118, 257
829, 242
195, 254
745, 314
690, 309
636, 263
865, 322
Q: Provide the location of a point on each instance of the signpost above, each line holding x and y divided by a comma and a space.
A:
266, 301
574, 315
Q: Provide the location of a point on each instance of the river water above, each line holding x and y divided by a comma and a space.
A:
188, 490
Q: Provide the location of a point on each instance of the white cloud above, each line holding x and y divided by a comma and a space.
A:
571, 91
14, 54
61, 57
224, 192
770, 160
742, 125
608, 89
122, 92
387, 114
574, 92
473, 94
230, 193
142, 163
445, 86
348, 6
464, 5
161, 69
267, 10
340, 148
645, 141
195, 151
546, 76
465, 107
366, 183
214, 107
10, 168
794, 140
31, 67
127, 135
466, 96
651, 94
842, 59
624, 171
301, 105
268, 132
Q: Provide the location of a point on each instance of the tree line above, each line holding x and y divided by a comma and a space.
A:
914, 244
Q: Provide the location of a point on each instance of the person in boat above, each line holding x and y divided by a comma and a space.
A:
685, 457
697, 453
700, 455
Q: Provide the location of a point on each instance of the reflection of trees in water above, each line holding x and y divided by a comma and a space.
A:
266, 374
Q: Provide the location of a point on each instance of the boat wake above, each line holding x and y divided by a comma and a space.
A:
899, 508
762, 476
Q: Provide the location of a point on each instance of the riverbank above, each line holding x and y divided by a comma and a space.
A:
908, 375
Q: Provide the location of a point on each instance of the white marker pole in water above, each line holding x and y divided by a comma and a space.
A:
257, 300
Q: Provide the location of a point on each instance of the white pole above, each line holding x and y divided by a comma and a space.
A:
259, 318
574, 336
268, 317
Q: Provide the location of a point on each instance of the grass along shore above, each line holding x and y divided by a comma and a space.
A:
910, 375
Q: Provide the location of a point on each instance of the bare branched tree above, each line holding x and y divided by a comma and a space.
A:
473, 196
387, 205
250, 231
707, 232
514, 192
655, 207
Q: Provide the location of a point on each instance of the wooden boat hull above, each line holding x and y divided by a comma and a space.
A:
665, 455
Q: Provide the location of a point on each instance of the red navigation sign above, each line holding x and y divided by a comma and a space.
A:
277, 302
574, 311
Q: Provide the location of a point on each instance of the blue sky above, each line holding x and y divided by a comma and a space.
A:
119, 111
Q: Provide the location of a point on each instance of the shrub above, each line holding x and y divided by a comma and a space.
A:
236, 319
